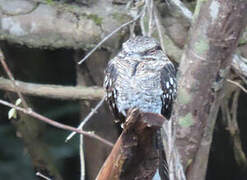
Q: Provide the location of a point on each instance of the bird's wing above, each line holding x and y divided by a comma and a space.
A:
163, 166
111, 75
168, 85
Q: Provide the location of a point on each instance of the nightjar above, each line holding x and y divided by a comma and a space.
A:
141, 76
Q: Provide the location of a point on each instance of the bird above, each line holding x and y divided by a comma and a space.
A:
141, 76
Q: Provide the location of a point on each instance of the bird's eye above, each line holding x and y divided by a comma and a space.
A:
151, 51
158, 48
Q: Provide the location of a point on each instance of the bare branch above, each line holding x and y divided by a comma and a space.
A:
233, 127
134, 155
107, 37
54, 123
82, 158
197, 104
93, 111
159, 28
181, 9
30, 142
239, 64
11, 77
81, 150
54, 91
150, 5
43, 176
237, 84
229, 119
75, 33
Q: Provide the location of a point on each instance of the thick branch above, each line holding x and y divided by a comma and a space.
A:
203, 68
59, 25
34, 21
134, 155
177, 9
54, 91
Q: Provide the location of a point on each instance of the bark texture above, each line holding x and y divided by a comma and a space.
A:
204, 66
57, 25
54, 91
134, 155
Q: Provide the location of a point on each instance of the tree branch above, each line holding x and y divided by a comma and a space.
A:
230, 121
50, 22
134, 156
26, 127
177, 8
86, 119
54, 91
239, 64
54, 123
35, 22
202, 73
11, 77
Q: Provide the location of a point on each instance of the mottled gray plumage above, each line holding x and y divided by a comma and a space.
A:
140, 76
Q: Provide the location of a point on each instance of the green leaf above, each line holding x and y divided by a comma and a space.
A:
18, 102
12, 113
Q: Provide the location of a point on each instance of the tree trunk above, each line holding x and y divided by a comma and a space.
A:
204, 66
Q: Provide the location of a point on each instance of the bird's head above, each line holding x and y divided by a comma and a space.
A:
147, 48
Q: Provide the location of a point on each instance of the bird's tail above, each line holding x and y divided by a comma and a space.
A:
163, 166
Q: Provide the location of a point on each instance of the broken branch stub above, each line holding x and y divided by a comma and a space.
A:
134, 156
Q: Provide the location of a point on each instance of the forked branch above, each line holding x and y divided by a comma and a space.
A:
54, 123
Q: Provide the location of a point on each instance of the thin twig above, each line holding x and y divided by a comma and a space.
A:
234, 108
93, 111
142, 20
11, 77
229, 118
237, 84
239, 64
235, 133
107, 37
30, 112
181, 9
150, 12
43, 176
82, 158
159, 28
